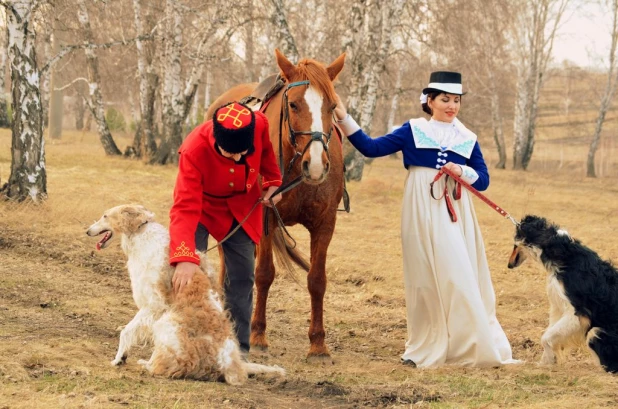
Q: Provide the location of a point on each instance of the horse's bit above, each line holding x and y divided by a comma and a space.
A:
322, 137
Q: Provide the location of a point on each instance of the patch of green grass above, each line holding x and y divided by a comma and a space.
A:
533, 379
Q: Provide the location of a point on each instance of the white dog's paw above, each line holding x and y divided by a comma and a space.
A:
119, 361
145, 364
547, 360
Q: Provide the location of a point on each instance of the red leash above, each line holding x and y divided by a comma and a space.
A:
457, 194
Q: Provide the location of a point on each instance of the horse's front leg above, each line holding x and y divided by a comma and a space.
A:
264, 277
316, 283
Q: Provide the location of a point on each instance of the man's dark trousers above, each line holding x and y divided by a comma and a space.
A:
239, 254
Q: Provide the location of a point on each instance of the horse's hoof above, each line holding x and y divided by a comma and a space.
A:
258, 347
259, 342
323, 359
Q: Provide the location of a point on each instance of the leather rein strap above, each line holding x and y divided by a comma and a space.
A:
456, 195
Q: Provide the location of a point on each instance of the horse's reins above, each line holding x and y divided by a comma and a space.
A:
284, 116
457, 195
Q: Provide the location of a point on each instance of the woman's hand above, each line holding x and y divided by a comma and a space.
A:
455, 168
340, 112
268, 194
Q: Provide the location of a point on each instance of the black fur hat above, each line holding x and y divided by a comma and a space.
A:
233, 127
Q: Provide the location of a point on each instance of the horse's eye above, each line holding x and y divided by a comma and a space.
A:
294, 106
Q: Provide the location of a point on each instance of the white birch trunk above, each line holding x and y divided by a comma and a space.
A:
496, 122
79, 111
608, 93
208, 90
395, 100
172, 101
177, 98
46, 75
28, 178
192, 119
56, 97
4, 112
285, 38
144, 144
537, 29
95, 100
368, 41
390, 123
250, 43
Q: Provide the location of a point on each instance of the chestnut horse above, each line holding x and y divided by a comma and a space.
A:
301, 122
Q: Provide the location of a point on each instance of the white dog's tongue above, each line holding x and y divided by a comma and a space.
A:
103, 240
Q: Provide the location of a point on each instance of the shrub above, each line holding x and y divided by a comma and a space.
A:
115, 120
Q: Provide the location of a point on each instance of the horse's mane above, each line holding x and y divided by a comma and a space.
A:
315, 72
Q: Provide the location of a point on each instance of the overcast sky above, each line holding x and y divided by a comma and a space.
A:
584, 38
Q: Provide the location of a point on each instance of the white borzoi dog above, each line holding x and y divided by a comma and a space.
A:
582, 289
191, 332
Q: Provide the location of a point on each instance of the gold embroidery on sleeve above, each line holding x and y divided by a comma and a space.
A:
184, 251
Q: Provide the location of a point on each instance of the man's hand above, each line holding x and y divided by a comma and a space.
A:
183, 274
268, 194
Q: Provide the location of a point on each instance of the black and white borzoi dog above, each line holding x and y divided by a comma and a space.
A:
582, 289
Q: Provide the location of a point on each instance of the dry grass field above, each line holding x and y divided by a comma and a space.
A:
61, 300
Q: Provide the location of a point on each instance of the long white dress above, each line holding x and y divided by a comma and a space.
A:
450, 299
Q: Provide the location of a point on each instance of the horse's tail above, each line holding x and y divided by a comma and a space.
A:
287, 256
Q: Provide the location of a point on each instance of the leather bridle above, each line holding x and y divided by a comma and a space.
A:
284, 116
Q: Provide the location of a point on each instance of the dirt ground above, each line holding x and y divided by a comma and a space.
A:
61, 300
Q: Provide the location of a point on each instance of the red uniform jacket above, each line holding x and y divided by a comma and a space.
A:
215, 190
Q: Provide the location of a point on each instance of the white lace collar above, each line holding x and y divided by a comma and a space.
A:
454, 137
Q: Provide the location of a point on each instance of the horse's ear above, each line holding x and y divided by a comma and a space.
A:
335, 67
287, 68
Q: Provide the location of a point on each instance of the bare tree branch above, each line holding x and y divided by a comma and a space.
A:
67, 49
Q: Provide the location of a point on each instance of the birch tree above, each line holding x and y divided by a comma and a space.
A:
486, 59
4, 112
46, 34
249, 35
494, 60
608, 93
144, 144
28, 178
56, 96
95, 99
285, 39
367, 43
536, 29
390, 123
177, 96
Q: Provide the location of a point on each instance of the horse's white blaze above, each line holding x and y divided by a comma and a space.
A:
314, 101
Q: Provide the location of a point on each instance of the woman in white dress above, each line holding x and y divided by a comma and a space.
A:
450, 300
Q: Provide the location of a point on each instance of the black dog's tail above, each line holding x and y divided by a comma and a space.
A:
604, 343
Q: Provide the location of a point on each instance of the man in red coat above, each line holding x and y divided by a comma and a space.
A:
216, 188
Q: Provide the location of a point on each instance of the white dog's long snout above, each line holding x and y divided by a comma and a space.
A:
101, 227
